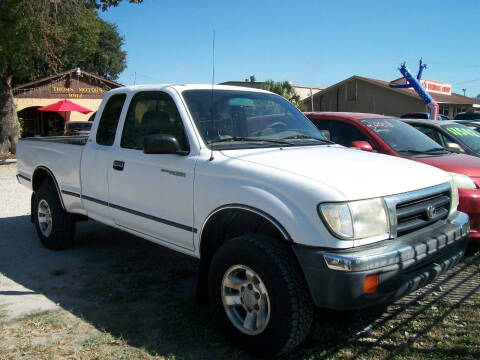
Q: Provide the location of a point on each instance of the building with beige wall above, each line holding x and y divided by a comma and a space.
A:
360, 94
78, 86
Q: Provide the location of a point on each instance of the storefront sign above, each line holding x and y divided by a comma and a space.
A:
436, 87
77, 92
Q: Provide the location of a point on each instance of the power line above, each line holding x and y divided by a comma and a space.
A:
466, 81
146, 77
456, 65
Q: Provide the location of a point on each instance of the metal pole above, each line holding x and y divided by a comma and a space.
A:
311, 97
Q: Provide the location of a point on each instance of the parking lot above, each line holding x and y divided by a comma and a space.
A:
117, 296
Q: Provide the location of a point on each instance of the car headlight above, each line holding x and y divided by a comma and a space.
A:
454, 201
356, 219
463, 181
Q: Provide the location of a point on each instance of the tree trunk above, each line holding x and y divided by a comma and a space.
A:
9, 129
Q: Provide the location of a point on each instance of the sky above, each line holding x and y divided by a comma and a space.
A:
312, 43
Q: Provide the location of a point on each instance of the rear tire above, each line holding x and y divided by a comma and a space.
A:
259, 296
55, 227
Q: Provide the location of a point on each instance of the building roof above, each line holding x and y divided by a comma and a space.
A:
109, 83
259, 84
439, 98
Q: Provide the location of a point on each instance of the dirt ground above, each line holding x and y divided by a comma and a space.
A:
115, 296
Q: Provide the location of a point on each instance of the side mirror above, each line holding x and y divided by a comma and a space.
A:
161, 144
362, 145
454, 147
326, 134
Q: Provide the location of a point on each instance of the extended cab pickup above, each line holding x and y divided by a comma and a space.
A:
281, 218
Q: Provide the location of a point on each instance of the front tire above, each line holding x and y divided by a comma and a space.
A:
55, 227
259, 296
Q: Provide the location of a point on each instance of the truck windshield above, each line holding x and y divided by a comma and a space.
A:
404, 138
230, 119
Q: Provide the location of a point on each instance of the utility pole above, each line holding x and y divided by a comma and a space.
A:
464, 91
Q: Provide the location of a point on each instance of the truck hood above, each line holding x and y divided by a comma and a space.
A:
458, 163
354, 173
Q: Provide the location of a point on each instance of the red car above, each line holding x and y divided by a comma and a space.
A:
386, 135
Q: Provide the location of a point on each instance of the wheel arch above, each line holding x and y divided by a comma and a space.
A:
42, 174
230, 221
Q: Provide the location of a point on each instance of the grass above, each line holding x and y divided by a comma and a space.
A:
140, 305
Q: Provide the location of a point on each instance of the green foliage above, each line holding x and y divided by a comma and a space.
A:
38, 38
285, 89
108, 60
105, 4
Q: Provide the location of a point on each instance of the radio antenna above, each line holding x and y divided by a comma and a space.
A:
213, 60
213, 84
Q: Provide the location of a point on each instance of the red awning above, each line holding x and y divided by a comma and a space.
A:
65, 106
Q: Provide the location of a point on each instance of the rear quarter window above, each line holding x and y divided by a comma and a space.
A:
107, 127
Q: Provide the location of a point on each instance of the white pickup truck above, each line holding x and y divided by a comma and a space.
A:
281, 218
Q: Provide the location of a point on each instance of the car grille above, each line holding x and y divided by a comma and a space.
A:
417, 209
416, 214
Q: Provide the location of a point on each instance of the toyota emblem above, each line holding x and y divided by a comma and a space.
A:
431, 212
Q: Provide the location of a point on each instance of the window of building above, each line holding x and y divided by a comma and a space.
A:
444, 109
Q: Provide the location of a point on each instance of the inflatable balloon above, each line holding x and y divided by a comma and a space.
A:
415, 84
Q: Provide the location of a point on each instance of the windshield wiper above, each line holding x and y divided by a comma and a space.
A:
247, 139
300, 136
428, 151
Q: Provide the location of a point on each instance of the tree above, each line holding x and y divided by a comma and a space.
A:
285, 89
108, 60
41, 37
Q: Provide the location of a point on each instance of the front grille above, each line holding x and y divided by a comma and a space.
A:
415, 214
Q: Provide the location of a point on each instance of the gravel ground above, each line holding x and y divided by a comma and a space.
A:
17, 300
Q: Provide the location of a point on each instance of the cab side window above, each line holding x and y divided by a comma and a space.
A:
107, 127
152, 112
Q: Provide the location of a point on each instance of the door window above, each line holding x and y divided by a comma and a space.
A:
107, 127
344, 134
152, 112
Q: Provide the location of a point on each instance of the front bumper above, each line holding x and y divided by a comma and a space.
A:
469, 202
336, 277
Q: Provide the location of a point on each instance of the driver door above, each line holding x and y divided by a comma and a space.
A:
152, 194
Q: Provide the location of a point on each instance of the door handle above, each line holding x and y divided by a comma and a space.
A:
118, 165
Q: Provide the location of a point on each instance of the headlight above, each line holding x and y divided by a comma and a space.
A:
356, 219
463, 181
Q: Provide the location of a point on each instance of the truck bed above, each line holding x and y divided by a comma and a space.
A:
60, 155
72, 140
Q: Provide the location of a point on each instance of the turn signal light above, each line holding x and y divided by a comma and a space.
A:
370, 284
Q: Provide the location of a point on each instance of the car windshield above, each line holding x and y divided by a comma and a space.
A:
243, 119
465, 134
403, 138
